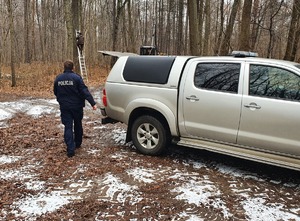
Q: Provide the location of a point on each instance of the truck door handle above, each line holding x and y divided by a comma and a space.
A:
252, 106
192, 98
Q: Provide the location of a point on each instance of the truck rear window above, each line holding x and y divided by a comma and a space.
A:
148, 69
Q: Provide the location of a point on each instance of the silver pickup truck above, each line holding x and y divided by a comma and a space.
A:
246, 107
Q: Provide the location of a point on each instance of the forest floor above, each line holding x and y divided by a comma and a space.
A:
108, 180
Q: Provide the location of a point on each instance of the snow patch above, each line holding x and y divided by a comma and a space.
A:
202, 193
119, 135
40, 204
4, 159
257, 209
142, 175
120, 191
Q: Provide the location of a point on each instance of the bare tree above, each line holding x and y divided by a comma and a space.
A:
45, 26
130, 28
293, 38
245, 26
170, 8
193, 28
200, 19
118, 7
275, 8
258, 17
39, 23
221, 27
207, 28
26, 28
226, 40
12, 42
161, 8
72, 18
32, 27
46, 30
76, 15
3, 37
180, 45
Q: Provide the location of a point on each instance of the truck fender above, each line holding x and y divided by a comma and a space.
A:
156, 106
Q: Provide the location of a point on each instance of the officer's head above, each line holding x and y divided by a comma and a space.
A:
68, 65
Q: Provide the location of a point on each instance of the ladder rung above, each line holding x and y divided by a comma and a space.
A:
82, 66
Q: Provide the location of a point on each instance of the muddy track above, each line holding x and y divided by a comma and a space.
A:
108, 180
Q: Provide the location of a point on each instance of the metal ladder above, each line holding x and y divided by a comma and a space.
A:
82, 66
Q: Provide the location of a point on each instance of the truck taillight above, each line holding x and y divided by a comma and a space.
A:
104, 99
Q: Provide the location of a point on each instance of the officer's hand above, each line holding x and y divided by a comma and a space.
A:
95, 107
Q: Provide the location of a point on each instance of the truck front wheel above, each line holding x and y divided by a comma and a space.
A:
149, 135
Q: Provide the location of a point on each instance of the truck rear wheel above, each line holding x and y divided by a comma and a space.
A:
149, 135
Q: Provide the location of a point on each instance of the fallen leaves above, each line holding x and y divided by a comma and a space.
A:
36, 79
37, 150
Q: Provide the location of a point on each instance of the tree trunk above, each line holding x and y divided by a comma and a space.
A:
45, 20
296, 43
219, 38
161, 26
168, 27
292, 32
270, 29
245, 26
75, 15
179, 45
207, 28
200, 16
226, 40
69, 26
193, 28
256, 25
38, 18
12, 43
145, 41
26, 29
117, 10
33, 40
130, 29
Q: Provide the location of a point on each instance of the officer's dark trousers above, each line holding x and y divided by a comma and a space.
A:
70, 117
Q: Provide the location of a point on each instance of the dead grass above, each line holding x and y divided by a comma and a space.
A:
36, 79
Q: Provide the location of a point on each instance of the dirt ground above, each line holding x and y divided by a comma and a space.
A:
108, 180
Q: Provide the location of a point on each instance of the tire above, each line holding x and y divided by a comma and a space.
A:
149, 135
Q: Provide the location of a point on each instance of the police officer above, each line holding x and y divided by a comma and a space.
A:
71, 93
80, 41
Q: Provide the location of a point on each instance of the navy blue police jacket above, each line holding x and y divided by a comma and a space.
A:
71, 92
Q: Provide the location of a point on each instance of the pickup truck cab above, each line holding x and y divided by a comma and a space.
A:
246, 107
